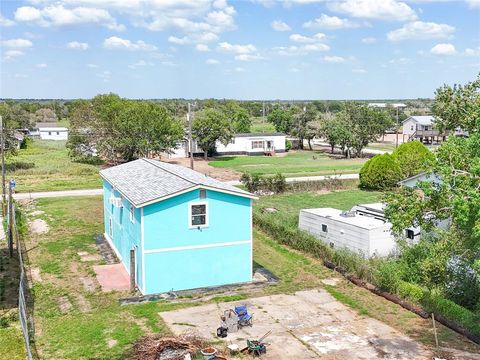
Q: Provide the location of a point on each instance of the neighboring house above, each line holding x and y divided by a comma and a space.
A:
19, 139
241, 144
49, 131
412, 181
422, 128
364, 229
186, 230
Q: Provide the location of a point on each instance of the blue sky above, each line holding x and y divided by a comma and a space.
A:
258, 49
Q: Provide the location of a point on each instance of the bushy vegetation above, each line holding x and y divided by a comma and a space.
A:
413, 158
254, 183
381, 172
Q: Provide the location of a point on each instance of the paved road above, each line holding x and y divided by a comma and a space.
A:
65, 193
94, 192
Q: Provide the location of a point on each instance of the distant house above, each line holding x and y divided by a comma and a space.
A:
412, 181
49, 131
184, 229
241, 144
422, 128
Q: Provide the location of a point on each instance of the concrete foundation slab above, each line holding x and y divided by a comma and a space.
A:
112, 277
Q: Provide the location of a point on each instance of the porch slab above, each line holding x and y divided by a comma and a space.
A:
112, 277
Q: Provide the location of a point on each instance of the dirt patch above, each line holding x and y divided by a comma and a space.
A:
88, 284
38, 226
36, 213
83, 303
331, 281
111, 343
202, 166
64, 304
34, 276
85, 256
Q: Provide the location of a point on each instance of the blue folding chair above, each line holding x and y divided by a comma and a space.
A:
244, 318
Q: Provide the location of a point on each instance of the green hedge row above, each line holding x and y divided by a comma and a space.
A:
381, 273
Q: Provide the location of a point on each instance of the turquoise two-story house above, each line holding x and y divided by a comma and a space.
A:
186, 230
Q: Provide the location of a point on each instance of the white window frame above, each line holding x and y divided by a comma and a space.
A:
326, 228
132, 214
190, 225
257, 142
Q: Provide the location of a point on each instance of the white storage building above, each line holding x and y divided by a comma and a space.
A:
368, 235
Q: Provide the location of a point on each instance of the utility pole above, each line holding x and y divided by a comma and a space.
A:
2, 145
396, 130
190, 142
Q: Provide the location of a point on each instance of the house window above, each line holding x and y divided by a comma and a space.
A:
410, 234
324, 228
257, 144
203, 194
232, 141
58, 132
411, 127
132, 214
198, 215
49, 133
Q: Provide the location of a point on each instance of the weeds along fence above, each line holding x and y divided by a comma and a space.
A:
25, 298
348, 263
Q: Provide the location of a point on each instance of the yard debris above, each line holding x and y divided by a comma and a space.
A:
168, 348
269, 210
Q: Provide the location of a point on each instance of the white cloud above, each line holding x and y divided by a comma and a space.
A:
369, 40
419, 30
6, 22
359, 71
140, 63
236, 49
200, 38
17, 43
212, 62
401, 61
334, 59
307, 40
443, 49
10, 54
77, 45
374, 9
115, 42
58, 15
329, 22
294, 70
202, 47
279, 25
248, 57
239, 69
473, 4
472, 52
300, 50
21, 76
92, 66
41, 66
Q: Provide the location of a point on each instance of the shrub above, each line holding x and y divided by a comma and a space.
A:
251, 182
410, 291
413, 158
278, 183
381, 172
463, 283
388, 275
288, 145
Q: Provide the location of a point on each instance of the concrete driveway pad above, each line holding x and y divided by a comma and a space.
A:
307, 325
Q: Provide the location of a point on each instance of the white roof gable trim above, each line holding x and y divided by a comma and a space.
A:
143, 182
422, 120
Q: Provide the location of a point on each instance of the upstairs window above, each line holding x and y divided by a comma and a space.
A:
198, 215
324, 228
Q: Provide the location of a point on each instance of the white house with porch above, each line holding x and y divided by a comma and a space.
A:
241, 144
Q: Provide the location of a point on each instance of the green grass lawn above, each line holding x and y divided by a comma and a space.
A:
290, 204
46, 166
295, 163
96, 326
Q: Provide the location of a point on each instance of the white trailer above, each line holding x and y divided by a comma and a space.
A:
368, 235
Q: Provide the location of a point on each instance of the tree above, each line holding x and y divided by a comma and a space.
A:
365, 125
304, 125
209, 127
44, 115
334, 132
237, 116
123, 130
455, 198
282, 119
458, 106
413, 158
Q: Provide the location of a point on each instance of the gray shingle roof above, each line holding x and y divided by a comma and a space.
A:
422, 119
143, 181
